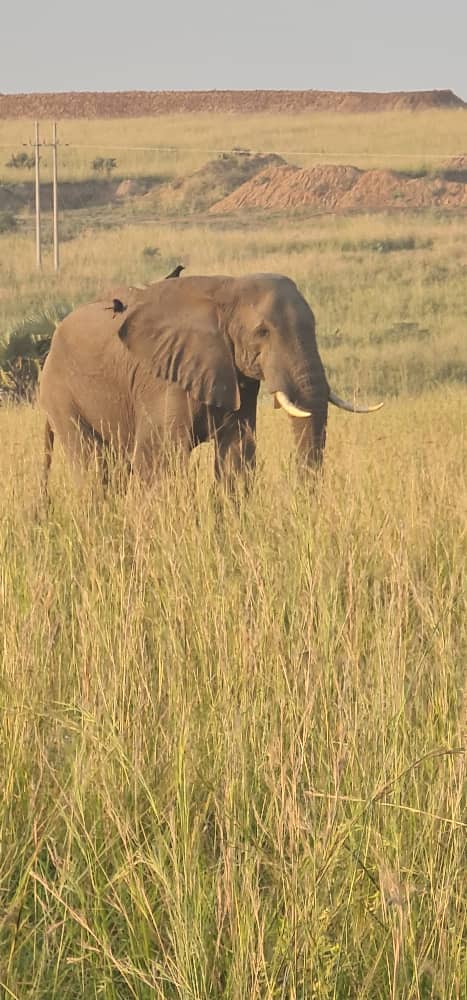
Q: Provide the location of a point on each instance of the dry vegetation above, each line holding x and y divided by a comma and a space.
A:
402, 140
233, 737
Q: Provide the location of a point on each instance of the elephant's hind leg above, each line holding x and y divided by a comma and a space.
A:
49, 437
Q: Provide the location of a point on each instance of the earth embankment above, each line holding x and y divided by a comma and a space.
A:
347, 188
137, 104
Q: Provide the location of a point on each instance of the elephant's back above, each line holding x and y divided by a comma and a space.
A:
88, 337
88, 371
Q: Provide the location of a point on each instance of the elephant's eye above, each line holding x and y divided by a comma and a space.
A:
261, 331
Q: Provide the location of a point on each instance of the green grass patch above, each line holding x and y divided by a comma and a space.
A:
391, 245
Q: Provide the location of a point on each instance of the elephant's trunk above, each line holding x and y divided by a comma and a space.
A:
310, 436
307, 407
304, 395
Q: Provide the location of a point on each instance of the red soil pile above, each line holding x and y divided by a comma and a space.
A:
136, 104
456, 162
334, 188
291, 187
380, 189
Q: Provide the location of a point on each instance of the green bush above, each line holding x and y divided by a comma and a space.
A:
19, 160
104, 165
24, 348
391, 245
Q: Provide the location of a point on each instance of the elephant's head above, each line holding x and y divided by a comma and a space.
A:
202, 332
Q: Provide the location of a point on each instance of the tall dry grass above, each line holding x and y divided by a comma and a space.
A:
233, 738
403, 140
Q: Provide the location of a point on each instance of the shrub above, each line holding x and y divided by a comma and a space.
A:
104, 165
391, 245
24, 348
415, 173
21, 160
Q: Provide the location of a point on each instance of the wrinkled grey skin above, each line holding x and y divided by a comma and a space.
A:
183, 364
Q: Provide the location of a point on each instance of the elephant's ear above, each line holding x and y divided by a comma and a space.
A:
185, 344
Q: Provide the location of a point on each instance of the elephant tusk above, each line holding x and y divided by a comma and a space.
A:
343, 405
289, 407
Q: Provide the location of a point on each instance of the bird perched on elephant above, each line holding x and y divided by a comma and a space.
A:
182, 364
176, 271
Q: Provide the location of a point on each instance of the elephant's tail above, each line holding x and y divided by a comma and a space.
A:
48, 452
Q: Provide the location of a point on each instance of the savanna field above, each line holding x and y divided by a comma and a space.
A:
233, 734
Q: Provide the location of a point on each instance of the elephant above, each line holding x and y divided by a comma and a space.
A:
179, 363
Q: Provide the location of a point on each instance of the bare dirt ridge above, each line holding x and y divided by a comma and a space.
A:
245, 182
329, 187
136, 104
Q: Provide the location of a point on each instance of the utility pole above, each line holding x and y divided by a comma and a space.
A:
55, 196
38, 197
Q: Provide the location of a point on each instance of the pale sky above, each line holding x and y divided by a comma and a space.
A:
53, 45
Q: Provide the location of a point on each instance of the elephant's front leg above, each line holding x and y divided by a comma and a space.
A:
158, 451
235, 439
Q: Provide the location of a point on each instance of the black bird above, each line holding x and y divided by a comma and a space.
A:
176, 271
117, 307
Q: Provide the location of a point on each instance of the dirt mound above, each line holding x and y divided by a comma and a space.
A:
380, 189
212, 182
290, 187
136, 104
458, 162
332, 188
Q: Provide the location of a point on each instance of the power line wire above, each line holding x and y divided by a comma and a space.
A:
262, 152
254, 152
